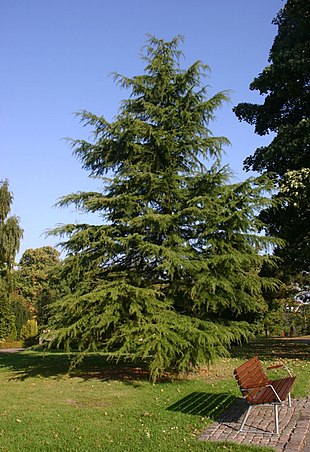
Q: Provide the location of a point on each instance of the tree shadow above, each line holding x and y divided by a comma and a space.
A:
205, 404
33, 364
30, 364
275, 348
57, 364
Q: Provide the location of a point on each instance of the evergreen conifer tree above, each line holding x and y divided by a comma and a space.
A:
172, 273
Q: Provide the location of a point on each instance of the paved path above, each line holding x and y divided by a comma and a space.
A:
294, 425
11, 350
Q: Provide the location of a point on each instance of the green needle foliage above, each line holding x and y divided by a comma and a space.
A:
172, 273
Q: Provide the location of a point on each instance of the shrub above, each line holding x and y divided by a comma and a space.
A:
29, 332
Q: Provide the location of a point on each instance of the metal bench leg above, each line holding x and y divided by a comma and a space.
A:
276, 420
289, 400
245, 418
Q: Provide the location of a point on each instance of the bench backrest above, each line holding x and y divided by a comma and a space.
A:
249, 375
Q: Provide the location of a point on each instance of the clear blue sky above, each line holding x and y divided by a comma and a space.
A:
56, 57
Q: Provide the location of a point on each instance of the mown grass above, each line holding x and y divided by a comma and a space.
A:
101, 406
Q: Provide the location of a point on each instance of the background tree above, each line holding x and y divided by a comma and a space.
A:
21, 311
35, 278
29, 332
172, 272
10, 236
285, 112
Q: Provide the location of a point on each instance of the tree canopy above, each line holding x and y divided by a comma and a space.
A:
10, 231
284, 83
172, 273
35, 278
10, 236
33, 270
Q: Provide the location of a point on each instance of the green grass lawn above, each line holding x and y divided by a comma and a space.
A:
98, 406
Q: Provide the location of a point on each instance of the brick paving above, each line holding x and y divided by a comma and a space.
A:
294, 426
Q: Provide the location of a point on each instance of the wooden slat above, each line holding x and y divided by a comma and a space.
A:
265, 395
283, 386
250, 374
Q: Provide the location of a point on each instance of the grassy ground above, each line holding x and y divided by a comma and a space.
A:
98, 406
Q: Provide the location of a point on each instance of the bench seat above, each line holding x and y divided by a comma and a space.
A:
267, 395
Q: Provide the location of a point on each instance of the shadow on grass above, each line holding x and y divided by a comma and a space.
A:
33, 364
58, 365
273, 348
96, 365
204, 404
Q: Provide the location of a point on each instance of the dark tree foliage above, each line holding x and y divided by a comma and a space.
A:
172, 273
10, 236
21, 311
35, 277
285, 112
33, 271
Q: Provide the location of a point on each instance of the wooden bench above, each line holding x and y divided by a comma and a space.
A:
257, 389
